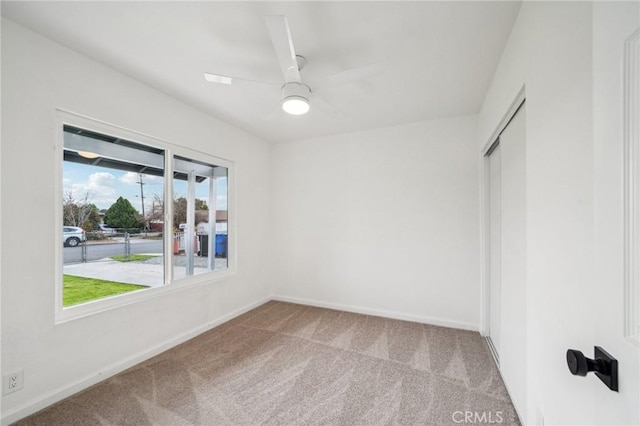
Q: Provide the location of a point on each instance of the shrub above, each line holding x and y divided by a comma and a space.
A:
95, 236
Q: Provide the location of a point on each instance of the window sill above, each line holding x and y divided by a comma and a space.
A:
103, 305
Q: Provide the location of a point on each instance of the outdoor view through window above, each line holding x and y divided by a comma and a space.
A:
114, 224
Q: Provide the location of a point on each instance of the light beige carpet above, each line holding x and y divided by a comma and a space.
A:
290, 364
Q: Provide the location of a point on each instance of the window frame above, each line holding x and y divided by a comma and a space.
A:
171, 285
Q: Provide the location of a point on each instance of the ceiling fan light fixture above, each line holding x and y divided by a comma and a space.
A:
87, 154
295, 105
295, 98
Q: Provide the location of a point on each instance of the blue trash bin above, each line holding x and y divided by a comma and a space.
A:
221, 245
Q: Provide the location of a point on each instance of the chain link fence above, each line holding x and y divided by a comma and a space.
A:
123, 243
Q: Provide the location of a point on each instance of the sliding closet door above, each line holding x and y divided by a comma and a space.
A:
513, 305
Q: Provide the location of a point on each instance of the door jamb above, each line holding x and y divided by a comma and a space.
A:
632, 188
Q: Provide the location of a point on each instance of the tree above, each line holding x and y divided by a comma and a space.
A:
157, 209
122, 214
80, 213
180, 209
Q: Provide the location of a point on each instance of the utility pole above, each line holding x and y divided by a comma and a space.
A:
144, 219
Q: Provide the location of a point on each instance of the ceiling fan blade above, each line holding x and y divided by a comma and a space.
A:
228, 80
280, 34
274, 112
329, 109
216, 78
354, 74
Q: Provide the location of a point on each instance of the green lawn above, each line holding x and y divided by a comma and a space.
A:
132, 257
81, 289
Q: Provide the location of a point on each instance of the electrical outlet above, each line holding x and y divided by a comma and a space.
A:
12, 382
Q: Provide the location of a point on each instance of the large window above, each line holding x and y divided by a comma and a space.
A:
137, 214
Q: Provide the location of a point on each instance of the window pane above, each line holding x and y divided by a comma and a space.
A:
112, 216
200, 217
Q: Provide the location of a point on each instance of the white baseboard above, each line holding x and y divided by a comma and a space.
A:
38, 404
379, 313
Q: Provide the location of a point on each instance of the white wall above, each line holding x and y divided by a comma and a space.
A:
382, 221
550, 53
39, 76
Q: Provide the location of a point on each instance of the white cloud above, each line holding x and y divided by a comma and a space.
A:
101, 179
99, 189
132, 178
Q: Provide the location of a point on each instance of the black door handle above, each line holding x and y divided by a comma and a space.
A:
604, 365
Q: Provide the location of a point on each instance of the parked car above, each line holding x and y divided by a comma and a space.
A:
73, 235
107, 230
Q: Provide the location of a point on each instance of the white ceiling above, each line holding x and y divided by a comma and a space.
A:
433, 59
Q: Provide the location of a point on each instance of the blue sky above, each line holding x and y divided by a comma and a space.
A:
103, 186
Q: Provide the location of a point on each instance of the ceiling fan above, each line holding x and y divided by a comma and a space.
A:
295, 94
